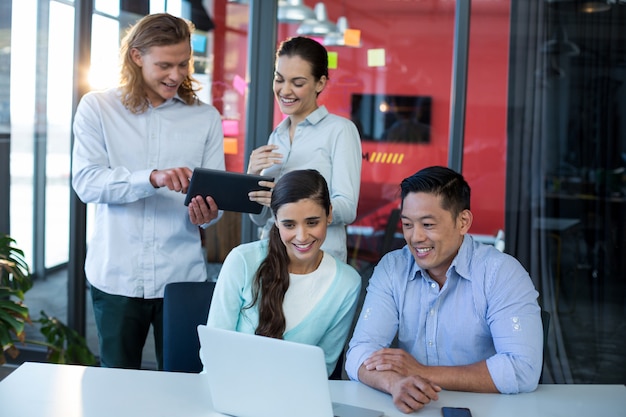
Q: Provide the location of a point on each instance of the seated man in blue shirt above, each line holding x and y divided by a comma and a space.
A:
465, 315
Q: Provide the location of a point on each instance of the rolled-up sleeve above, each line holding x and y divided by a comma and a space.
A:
515, 322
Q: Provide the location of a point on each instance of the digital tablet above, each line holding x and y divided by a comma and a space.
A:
228, 189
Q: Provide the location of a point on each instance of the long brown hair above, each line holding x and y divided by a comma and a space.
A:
158, 29
272, 278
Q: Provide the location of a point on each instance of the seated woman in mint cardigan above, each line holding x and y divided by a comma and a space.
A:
286, 287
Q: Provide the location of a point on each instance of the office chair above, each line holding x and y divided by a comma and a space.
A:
337, 374
545, 321
185, 306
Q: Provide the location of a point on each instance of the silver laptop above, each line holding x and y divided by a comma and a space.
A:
255, 376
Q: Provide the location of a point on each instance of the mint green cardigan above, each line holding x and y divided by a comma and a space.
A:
326, 326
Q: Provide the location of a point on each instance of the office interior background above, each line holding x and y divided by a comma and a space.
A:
526, 98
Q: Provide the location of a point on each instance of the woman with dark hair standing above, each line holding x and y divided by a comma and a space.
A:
286, 287
310, 137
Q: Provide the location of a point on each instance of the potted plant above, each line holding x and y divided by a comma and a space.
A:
63, 344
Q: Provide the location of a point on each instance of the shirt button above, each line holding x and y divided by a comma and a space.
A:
430, 343
432, 311
433, 285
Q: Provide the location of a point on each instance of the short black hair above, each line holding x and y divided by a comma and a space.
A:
440, 181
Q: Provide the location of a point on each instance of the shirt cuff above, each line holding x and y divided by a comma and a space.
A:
140, 182
502, 374
212, 222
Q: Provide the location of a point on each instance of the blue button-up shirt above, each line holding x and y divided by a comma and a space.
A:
486, 310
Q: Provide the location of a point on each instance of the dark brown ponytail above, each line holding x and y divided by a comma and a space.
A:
272, 278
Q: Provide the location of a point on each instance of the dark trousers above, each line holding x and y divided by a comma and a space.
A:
123, 324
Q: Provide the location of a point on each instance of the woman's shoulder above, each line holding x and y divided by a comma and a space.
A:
348, 274
256, 246
339, 124
251, 251
335, 119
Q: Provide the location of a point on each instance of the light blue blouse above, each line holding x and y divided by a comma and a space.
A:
331, 145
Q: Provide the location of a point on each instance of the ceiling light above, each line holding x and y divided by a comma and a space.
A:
595, 6
293, 11
336, 38
320, 26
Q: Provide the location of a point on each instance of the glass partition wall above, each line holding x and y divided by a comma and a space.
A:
566, 182
542, 144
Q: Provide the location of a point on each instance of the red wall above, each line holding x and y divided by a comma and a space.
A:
419, 52
418, 41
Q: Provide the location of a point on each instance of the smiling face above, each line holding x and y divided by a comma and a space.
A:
302, 227
164, 68
431, 232
295, 87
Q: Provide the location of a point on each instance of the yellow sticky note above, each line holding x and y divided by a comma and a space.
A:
332, 60
376, 58
352, 37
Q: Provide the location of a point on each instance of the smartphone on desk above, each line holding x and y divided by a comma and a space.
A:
456, 412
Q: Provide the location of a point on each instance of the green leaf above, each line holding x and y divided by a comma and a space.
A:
14, 271
15, 308
14, 324
66, 345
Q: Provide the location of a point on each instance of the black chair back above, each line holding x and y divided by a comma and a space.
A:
185, 306
545, 320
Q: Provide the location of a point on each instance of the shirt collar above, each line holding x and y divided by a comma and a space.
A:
317, 115
167, 102
460, 264
462, 261
314, 118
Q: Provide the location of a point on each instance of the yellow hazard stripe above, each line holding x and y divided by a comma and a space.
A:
386, 158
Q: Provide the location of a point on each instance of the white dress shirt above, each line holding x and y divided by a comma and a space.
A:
142, 237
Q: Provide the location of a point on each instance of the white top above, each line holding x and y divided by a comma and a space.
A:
142, 237
306, 290
46, 390
330, 144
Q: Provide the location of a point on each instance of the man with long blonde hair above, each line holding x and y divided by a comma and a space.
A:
134, 151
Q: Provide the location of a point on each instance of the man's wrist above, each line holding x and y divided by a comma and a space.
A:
150, 178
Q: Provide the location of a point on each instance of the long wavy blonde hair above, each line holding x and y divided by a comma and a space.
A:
158, 29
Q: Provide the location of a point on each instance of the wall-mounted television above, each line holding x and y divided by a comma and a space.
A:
392, 118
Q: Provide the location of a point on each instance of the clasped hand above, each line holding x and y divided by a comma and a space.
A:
396, 360
410, 390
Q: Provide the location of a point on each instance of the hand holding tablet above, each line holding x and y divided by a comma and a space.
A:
228, 189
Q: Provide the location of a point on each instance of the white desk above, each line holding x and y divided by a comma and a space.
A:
45, 390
